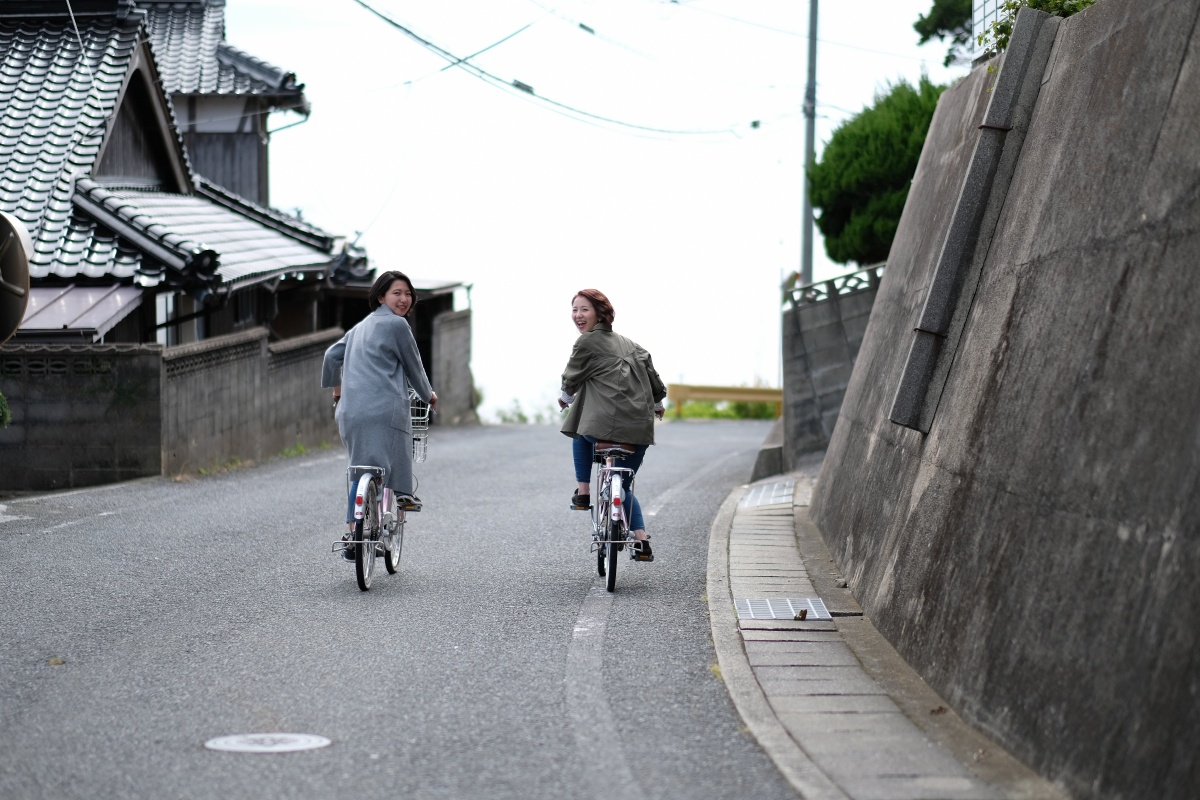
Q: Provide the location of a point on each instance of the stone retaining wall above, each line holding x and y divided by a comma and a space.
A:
1026, 531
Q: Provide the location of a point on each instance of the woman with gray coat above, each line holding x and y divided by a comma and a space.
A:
370, 370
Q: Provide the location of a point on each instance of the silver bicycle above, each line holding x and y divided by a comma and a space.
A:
610, 525
379, 513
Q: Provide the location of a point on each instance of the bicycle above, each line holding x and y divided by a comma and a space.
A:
610, 526
379, 514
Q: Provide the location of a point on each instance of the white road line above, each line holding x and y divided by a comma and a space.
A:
669, 495
600, 749
7, 517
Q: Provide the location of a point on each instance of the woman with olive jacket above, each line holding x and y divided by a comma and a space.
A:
614, 394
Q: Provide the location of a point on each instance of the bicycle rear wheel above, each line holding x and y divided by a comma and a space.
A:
366, 535
613, 532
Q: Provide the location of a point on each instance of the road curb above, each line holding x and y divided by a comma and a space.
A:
740, 681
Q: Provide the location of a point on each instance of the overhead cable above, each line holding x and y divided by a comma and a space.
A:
527, 89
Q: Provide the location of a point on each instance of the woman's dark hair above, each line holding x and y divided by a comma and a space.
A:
603, 308
381, 286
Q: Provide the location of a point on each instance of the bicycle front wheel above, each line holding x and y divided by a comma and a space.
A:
366, 535
614, 532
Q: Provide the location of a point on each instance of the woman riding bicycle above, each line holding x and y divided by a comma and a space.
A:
614, 394
371, 369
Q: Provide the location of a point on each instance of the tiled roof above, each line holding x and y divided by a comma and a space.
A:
55, 103
285, 223
193, 57
201, 233
84, 249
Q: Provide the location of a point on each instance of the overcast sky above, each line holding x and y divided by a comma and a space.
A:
674, 203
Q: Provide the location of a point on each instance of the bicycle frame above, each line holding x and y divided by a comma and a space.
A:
612, 483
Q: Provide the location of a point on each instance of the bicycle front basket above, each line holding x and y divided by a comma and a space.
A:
419, 411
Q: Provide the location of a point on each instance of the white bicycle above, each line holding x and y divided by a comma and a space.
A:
379, 513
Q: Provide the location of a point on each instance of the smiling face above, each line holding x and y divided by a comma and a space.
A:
583, 315
398, 297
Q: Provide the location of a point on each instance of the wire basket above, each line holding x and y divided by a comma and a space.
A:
419, 410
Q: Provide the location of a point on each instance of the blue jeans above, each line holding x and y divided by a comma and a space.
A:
581, 450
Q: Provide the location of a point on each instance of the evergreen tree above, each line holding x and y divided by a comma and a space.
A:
862, 179
947, 18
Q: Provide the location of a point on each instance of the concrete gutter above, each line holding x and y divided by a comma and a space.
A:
829, 700
749, 698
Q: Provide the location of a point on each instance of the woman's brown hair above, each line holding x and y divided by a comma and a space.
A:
603, 308
381, 286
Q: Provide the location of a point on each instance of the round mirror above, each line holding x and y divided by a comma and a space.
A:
15, 249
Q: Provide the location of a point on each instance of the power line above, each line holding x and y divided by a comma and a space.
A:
740, 20
794, 33
526, 89
595, 33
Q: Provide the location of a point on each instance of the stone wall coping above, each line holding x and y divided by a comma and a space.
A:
78, 348
308, 339
216, 343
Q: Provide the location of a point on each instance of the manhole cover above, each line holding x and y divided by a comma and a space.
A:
267, 742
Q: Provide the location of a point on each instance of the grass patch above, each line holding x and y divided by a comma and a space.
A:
225, 466
298, 449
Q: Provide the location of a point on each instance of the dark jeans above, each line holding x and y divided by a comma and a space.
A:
582, 451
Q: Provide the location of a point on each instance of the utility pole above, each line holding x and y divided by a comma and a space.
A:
810, 133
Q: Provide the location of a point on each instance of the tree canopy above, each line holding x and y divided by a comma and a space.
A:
947, 18
862, 179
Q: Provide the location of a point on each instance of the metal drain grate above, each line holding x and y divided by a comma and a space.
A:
782, 609
768, 494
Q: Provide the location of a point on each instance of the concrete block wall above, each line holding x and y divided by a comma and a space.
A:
1035, 554
215, 401
82, 415
451, 368
822, 332
238, 397
299, 412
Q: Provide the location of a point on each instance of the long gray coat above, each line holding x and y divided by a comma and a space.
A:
375, 363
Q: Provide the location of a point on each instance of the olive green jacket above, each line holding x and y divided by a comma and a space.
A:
615, 387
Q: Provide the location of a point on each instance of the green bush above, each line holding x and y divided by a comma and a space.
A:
5, 414
704, 409
516, 415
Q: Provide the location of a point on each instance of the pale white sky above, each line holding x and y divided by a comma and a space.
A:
688, 233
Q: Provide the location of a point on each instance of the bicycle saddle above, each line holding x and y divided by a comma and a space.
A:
627, 449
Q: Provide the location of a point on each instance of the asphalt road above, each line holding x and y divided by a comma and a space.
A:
142, 620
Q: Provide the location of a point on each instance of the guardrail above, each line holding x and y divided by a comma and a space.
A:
680, 393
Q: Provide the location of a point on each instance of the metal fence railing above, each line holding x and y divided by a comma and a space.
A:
840, 285
983, 14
